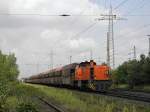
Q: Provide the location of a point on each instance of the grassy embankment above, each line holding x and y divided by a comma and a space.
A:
21, 98
72, 101
75, 101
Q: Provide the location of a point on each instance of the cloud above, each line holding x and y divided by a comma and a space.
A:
33, 37
81, 44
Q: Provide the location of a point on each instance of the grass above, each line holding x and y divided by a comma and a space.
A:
21, 94
72, 101
75, 101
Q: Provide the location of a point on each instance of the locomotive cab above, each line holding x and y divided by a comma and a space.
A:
95, 77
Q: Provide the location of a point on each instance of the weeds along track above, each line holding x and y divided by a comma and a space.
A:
120, 93
131, 95
138, 96
52, 107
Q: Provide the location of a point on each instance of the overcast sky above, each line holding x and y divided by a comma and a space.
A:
33, 36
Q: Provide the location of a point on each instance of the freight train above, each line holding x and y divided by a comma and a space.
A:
82, 75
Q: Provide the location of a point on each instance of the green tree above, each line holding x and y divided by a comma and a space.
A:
8, 74
119, 76
133, 71
9, 69
145, 70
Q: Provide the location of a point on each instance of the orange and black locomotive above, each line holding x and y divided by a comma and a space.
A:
77, 75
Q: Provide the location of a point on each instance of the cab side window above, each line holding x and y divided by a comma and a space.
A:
72, 71
91, 73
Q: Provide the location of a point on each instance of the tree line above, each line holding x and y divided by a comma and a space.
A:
133, 72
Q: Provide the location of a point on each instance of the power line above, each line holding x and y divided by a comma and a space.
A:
136, 15
64, 15
40, 14
85, 30
139, 28
32, 14
76, 18
51, 56
129, 12
36, 65
120, 4
105, 4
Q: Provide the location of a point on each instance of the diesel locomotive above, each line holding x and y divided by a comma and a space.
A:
86, 74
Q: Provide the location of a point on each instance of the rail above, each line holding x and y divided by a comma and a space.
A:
56, 108
138, 96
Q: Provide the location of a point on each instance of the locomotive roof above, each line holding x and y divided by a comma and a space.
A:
87, 63
70, 66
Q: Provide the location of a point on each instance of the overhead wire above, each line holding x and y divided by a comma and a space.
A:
75, 19
136, 30
120, 4
25, 14
105, 4
84, 30
143, 26
64, 15
133, 15
129, 33
73, 22
136, 8
137, 15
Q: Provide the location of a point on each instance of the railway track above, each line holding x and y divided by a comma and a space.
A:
126, 94
52, 107
120, 93
138, 96
131, 95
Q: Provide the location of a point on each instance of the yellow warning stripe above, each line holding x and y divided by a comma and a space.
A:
91, 86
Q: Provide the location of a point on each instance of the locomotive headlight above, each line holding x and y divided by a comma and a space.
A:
94, 77
106, 72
